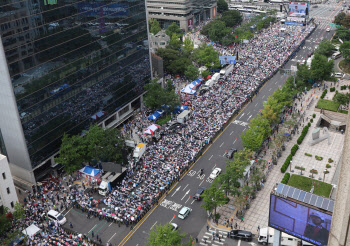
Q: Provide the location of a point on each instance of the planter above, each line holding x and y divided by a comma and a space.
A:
279, 154
283, 148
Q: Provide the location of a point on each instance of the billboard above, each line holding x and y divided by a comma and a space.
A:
293, 23
190, 22
98, 9
296, 19
224, 60
299, 220
214, 12
297, 9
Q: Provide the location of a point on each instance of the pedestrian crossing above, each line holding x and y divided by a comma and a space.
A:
220, 238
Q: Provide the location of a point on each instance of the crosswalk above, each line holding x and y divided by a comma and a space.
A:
207, 238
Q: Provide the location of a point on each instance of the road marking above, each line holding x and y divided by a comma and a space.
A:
92, 228
263, 97
249, 117
187, 199
192, 201
239, 242
201, 182
270, 89
185, 187
256, 104
110, 224
231, 133
111, 237
185, 194
210, 157
191, 173
172, 219
234, 141
68, 211
153, 225
241, 116
221, 144
178, 188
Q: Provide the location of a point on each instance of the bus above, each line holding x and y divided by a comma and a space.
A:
232, 7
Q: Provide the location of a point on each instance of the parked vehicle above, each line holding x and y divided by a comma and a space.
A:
139, 150
184, 212
198, 194
240, 234
215, 173
231, 152
56, 216
266, 237
110, 180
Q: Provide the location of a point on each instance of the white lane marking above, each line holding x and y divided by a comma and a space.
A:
192, 201
92, 228
263, 97
239, 242
177, 189
270, 89
256, 104
153, 226
221, 144
185, 194
172, 219
201, 182
188, 199
231, 133
110, 224
210, 157
234, 141
241, 115
111, 237
249, 117
185, 187
67, 212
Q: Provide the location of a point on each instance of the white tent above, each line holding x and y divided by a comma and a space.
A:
151, 129
31, 230
188, 90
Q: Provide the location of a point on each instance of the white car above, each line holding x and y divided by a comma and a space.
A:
184, 212
56, 216
215, 173
174, 226
328, 29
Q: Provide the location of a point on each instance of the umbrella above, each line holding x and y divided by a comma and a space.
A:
286, 134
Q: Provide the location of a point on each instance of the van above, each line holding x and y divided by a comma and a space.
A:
56, 216
336, 55
338, 75
266, 237
243, 235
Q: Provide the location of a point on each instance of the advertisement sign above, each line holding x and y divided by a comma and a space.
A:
214, 12
297, 9
190, 22
109, 10
224, 60
50, 2
293, 23
299, 220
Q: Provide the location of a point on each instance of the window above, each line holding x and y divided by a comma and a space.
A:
4, 175
12, 206
8, 190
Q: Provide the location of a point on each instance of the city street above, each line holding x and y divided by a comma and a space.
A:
182, 192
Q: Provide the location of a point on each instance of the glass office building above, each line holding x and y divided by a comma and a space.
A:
66, 65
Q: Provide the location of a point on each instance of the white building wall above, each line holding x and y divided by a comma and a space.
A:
7, 188
11, 126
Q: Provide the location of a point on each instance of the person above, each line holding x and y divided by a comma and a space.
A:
201, 171
71, 225
315, 230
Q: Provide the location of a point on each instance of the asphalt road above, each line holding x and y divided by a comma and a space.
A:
182, 192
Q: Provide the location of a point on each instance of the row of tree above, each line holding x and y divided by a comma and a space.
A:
9, 220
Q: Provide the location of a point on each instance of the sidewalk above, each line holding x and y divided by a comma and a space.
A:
257, 214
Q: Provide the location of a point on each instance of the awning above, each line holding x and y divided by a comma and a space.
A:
98, 115
151, 129
31, 230
89, 171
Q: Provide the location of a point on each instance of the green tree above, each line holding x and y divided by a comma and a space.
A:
154, 26
231, 18
342, 33
156, 96
325, 48
262, 125
168, 55
346, 21
321, 68
339, 18
218, 31
222, 6
179, 66
72, 153
5, 220
206, 55
173, 29
19, 213
170, 85
269, 114
252, 138
229, 180
205, 73
303, 72
175, 42
187, 47
213, 197
345, 50
164, 236
192, 72
341, 98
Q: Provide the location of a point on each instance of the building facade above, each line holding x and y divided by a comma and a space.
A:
65, 65
185, 13
8, 195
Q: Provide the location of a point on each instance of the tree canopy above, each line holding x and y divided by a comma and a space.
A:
222, 6
192, 72
213, 197
207, 56
325, 48
173, 29
97, 144
321, 68
231, 18
154, 26
345, 50
157, 96
165, 236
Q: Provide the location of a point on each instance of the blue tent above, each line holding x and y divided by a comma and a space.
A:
179, 109
154, 116
89, 171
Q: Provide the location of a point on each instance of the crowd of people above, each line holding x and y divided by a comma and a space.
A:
166, 159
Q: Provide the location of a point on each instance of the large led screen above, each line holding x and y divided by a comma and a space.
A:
297, 9
227, 60
300, 221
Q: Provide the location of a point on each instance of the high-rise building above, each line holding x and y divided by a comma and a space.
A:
8, 195
65, 65
185, 13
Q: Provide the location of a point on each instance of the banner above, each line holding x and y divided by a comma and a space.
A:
297, 9
293, 23
296, 19
224, 60
214, 12
190, 22
108, 10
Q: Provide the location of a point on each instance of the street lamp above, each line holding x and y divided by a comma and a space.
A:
290, 166
301, 169
312, 173
324, 174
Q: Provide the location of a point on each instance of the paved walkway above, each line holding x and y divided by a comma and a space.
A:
257, 214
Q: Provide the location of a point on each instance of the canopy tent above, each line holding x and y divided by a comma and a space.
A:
90, 171
179, 109
31, 230
154, 116
196, 83
188, 90
98, 115
151, 129
208, 77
